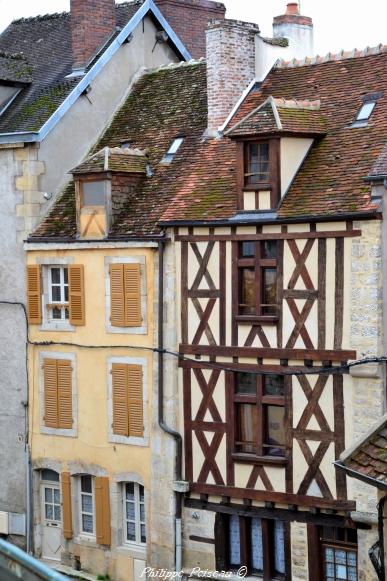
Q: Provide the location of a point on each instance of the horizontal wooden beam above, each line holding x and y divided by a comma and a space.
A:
198, 539
271, 496
338, 355
271, 236
321, 519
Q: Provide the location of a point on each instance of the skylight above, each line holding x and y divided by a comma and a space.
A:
365, 111
173, 148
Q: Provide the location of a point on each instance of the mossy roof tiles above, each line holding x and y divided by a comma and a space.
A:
46, 42
14, 68
114, 160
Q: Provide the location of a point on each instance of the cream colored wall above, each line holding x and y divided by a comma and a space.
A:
293, 151
90, 451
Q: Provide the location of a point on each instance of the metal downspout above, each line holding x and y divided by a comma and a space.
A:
176, 436
381, 518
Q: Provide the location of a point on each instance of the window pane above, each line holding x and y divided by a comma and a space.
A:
66, 275
257, 163
50, 475
87, 503
56, 313
235, 553
87, 523
93, 193
55, 292
247, 249
49, 512
130, 491
141, 489
57, 513
279, 547
130, 511
66, 294
247, 421
256, 545
365, 111
143, 535
269, 291
56, 496
248, 291
48, 494
246, 383
130, 531
55, 275
270, 249
274, 385
275, 431
142, 512
86, 485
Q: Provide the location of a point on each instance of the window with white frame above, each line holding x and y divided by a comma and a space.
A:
58, 293
134, 513
87, 508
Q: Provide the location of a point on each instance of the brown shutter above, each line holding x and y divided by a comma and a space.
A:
132, 284
34, 303
120, 399
50, 393
66, 505
136, 417
76, 294
65, 407
102, 510
117, 295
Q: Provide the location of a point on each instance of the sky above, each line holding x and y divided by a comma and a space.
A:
338, 24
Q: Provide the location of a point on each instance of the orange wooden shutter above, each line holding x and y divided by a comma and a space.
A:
66, 505
120, 399
50, 393
65, 407
117, 295
76, 294
34, 304
102, 510
136, 416
132, 284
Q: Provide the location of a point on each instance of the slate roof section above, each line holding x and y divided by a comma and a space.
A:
379, 170
14, 68
367, 459
113, 159
46, 42
281, 116
164, 104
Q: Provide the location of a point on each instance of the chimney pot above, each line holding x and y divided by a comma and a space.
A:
292, 9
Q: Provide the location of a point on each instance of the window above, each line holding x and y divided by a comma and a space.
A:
58, 291
257, 274
127, 396
339, 553
94, 193
58, 396
51, 496
259, 415
87, 508
257, 168
125, 295
365, 111
258, 544
134, 513
173, 148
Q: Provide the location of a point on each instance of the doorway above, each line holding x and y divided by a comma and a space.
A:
51, 515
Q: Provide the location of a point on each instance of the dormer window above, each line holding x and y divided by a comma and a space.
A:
257, 170
173, 148
94, 193
7, 95
94, 196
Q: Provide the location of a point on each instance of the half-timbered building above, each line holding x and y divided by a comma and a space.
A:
278, 239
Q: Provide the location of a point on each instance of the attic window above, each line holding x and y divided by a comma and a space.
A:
7, 95
173, 148
365, 111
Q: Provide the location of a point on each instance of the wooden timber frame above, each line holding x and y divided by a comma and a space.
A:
210, 353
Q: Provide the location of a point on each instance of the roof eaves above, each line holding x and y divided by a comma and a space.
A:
349, 452
148, 6
359, 476
268, 101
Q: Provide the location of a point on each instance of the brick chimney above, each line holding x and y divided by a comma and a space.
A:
297, 29
230, 66
189, 19
92, 22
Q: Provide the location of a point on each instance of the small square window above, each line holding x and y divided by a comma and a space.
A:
93, 193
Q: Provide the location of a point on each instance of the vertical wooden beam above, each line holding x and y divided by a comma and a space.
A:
322, 253
339, 431
234, 270
187, 424
289, 433
230, 427
222, 293
314, 553
184, 292
280, 291
240, 174
339, 290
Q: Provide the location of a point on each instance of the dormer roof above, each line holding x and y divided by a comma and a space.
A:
276, 115
113, 159
14, 68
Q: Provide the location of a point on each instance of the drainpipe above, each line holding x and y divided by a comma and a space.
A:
175, 435
381, 518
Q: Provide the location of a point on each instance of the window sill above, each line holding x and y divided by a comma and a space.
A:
127, 330
251, 459
129, 440
51, 326
269, 319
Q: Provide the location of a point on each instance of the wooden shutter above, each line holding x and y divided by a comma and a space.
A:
117, 295
65, 407
66, 505
34, 302
135, 393
132, 285
76, 294
50, 393
102, 510
120, 399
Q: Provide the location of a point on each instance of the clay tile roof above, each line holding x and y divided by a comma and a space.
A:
14, 68
380, 167
281, 116
46, 42
115, 159
367, 459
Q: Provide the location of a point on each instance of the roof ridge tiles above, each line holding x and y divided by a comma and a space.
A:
41, 17
170, 66
332, 57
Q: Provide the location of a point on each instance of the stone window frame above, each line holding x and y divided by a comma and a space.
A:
72, 432
128, 440
46, 263
141, 260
